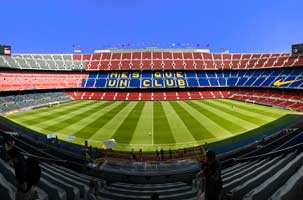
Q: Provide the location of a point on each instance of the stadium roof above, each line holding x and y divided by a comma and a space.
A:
117, 50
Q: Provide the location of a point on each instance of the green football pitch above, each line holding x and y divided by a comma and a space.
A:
154, 124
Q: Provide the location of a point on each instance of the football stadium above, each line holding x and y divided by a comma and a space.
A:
153, 120
148, 121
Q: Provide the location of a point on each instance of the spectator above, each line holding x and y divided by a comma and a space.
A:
213, 180
181, 153
91, 193
162, 154
184, 151
157, 155
27, 175
140, 154
170, 154
9, 142
133, 155
8, 145
154, 196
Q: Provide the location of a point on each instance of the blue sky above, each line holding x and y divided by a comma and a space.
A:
54, 26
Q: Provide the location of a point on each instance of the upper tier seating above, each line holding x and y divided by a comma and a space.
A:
60, 62
186, 60
150, 60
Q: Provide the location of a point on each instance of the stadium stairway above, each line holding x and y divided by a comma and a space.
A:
272, 176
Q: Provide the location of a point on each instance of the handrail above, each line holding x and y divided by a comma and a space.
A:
288, 149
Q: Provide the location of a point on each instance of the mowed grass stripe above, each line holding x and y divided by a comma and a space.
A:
42, 111
72, 128
52, 115
65, 116
162, 133
73, 119
234, 119
142, 134
107, 131
198, 131
180, 131
125, 132
90, 129
253, 107
227, 124
243, 111
217, 130
237, 113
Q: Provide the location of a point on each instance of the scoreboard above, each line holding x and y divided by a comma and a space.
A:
5, 50
297, 49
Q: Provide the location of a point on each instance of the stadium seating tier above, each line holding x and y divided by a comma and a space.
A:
291, 78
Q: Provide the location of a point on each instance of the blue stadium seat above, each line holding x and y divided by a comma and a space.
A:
204, 82
100, 83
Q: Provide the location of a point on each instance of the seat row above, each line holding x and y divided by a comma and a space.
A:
271, 177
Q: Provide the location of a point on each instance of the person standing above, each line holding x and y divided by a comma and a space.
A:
27, 172
162, 154
157, 154
213, 179
133, 155
170, 154
140, 155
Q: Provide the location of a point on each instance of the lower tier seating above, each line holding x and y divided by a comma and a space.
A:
282, 98
149, 96
56, 183
173, 191
22, 101
267, 177
287, 99
60, 183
